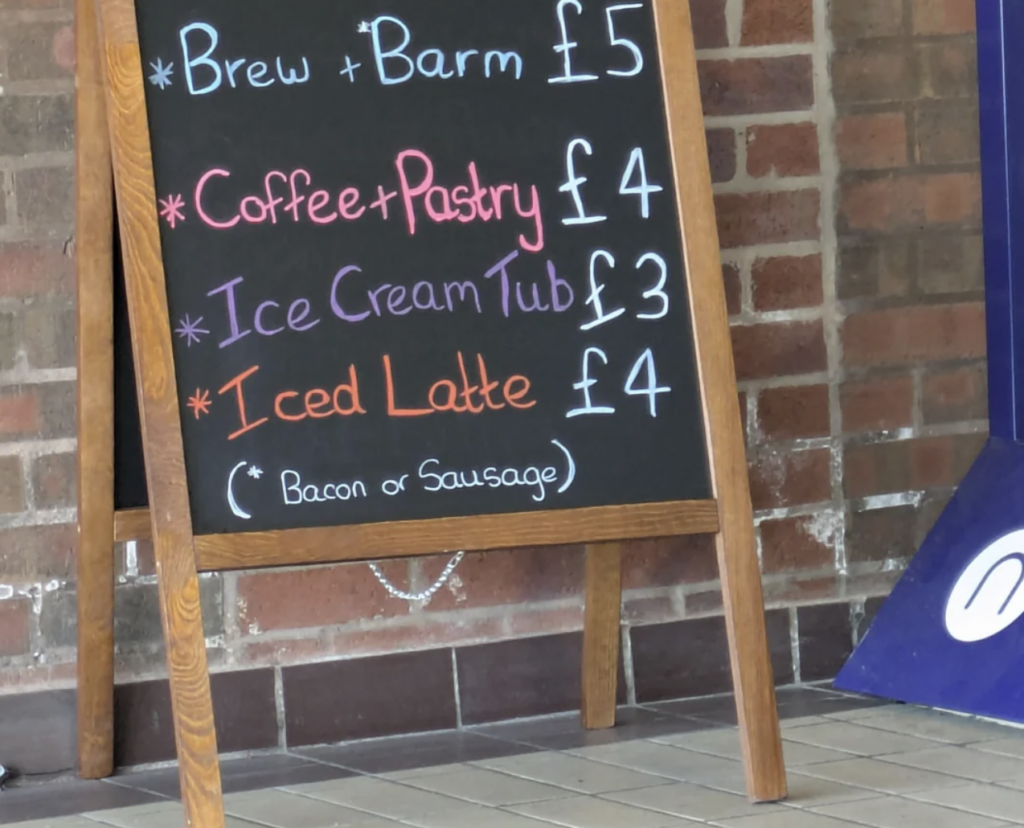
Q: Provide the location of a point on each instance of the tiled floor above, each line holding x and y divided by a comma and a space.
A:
850, 762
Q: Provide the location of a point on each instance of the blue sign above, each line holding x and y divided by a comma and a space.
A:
951, 633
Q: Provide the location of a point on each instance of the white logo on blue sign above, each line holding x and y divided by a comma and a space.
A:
989, 594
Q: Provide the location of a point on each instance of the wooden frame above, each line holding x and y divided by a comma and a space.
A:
181, 555
94, 208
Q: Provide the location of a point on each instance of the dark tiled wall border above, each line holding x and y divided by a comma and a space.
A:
430, 690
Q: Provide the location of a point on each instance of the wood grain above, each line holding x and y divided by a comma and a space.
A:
601, 616
94, 263
737, 558
425, 537
177, 578
132, 525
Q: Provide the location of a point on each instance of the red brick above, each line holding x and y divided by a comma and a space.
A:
48, 335
38, 553
14, 626
753, 85
54, 481
953, 198
420, 633
905, 465
778, 349
709, 30
870, 75
722, 154
877, 403
798, 543
790, 478
944, 17
950, 396
46, 195
787, 282
513, 576
856, 19
12, 490
686, 559
19, 413
947, 133
46, 410
650, 609
319, 596
36, 123
879, 267
509, 576
910, 202
29, 269
873, 141
948, 68
777, 21
528, 620
746, 219
782, 150
951, 263
881, 534
899, 335
793, 412
40, 51
733, 288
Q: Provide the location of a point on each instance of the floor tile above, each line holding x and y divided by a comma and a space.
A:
161, 815
588, 812
785, 819
802, 721
475, 816
575, 773
66, 797
55, 822
895, 812
853, 738
809, 791
692, 801
863, 712
979, 798
487, 787
876, 775
288, 810
962, 761
379, 797
940, 727
413, 752
725, 743
672, 762
1013, 746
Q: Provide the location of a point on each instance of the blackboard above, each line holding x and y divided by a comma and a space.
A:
129, 459
327, 178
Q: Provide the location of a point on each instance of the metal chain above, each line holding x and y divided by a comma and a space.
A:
425, 594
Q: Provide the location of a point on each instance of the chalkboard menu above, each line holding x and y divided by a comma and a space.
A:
422, 259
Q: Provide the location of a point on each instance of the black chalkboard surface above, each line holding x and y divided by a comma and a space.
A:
420, 264
129, 459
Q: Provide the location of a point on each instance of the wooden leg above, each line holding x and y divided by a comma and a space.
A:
601, 634
191, 702
760, 738
95, 266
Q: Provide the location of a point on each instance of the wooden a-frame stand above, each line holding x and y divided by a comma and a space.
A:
109, 59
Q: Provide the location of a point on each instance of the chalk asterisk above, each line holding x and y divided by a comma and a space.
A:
190, 330
364, 28
161, 76
199, 402
172, 209
255, 472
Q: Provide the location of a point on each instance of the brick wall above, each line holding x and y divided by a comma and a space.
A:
844, 154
